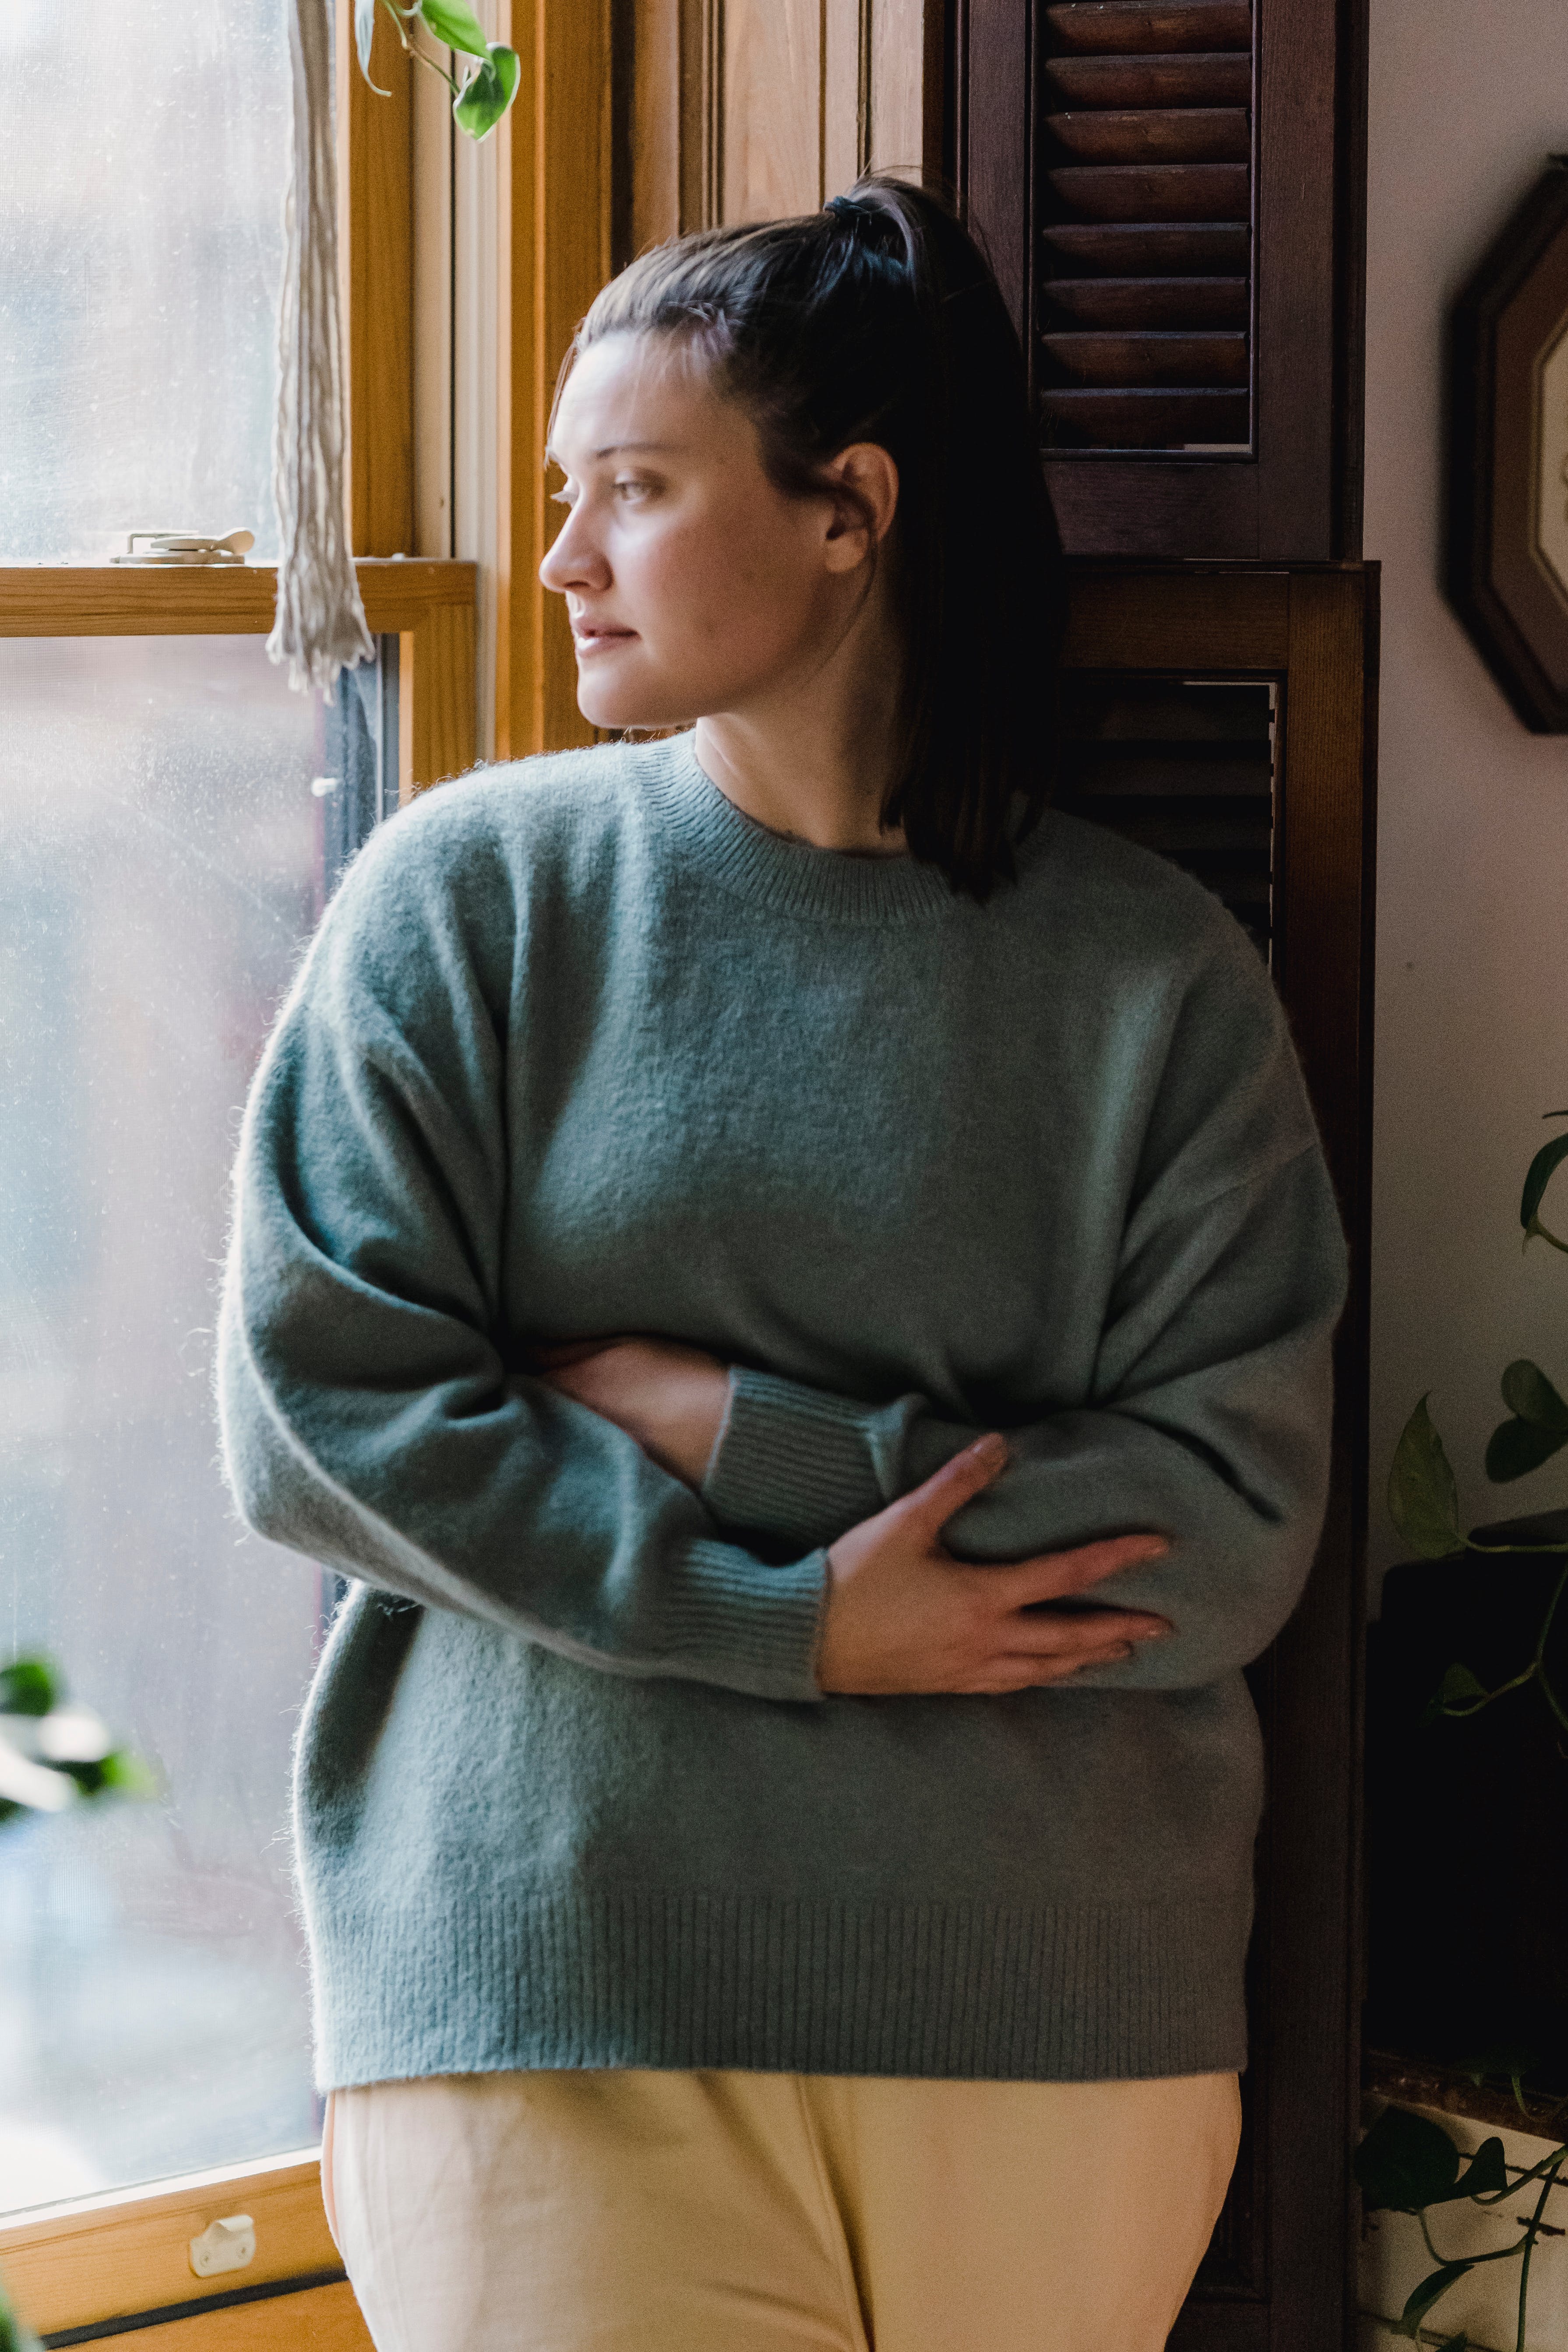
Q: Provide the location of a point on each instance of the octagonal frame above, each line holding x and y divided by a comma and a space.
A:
1507, 569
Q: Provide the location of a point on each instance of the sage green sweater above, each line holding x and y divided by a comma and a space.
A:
581, 1050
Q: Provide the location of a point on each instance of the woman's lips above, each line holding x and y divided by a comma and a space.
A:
590, 642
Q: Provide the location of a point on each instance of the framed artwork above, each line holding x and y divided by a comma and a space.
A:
1507, 474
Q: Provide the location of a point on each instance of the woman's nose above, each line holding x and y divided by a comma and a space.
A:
574, 561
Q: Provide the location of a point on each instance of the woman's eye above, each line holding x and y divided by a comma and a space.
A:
625, 490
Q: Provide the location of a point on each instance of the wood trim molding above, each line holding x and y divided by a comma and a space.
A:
429, 607
376, 243
556, 219
103, 2258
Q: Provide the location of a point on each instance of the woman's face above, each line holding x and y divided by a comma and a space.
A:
694, 585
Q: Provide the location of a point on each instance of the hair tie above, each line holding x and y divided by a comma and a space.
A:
858, 218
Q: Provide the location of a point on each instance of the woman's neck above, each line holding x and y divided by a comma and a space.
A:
813, 759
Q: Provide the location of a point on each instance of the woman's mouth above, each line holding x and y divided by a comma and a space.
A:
591, 640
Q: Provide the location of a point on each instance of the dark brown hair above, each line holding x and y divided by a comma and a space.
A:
878, 319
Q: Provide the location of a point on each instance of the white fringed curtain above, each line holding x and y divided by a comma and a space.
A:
320, 627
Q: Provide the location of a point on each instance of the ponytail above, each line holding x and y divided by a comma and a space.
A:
877, 320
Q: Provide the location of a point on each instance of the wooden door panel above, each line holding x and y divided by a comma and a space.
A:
1152, 749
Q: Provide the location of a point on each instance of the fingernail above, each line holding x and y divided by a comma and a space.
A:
991, 1448
1155, 1633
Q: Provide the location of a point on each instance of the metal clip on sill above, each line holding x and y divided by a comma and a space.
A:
185, 547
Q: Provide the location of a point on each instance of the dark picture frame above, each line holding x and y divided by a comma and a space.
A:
1508, 455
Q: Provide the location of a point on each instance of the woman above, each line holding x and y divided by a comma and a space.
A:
799, 1287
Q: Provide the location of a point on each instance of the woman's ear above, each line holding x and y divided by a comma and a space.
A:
863, 483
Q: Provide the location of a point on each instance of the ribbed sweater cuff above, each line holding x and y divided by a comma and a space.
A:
793, 1461
746, 1627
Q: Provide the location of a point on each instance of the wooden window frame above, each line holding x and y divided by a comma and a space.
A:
96, 2268
428, 608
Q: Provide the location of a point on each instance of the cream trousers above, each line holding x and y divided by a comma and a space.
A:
632, 2212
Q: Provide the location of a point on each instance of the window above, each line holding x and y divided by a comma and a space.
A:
172, 819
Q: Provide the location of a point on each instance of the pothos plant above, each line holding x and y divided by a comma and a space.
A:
53, 1756
486, 90
1408, 2164
1423, 1498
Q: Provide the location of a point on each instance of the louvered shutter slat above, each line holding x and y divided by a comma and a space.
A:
1155, 134
1186, 769
1145, 303
1144, 309
1134, 26
1224, 81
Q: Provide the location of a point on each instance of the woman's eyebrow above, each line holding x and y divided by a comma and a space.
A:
618, 448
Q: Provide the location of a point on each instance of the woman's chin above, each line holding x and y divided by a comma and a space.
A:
604, 703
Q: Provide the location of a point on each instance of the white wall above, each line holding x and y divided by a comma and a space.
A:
1468, 98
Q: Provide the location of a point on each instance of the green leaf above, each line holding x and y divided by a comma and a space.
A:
1515, 1448
1486, 2175
1527, 1391
456, 25
1422, 1500
1458, 1692
1405, 2162
489, 92
13, 2337
1539, 1175
30, 1687
1428, 2292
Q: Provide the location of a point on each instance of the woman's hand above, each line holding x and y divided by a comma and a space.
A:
672, 1400
904, 1615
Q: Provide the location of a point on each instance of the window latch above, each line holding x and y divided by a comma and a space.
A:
180, 547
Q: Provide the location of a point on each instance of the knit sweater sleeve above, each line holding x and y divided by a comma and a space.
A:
1207, 1418
368, 1416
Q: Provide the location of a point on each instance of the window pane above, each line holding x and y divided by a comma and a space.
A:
160, 858
143, 161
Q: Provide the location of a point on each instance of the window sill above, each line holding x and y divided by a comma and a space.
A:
120, 2262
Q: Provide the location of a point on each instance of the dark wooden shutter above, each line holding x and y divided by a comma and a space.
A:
1184, 766
1171, 193
1144, 304
1222, 718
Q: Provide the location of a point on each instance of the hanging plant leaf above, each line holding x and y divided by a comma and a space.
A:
364, 33
28, 1686
1427, 2295
489, 92
1422, 1500
1516, 1447
1536, 1177
1486, 2175
452, 22
1457, 1694
1405, 2162
1538, 1431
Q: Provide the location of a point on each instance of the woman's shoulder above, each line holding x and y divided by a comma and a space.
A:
1108, 897
512, 828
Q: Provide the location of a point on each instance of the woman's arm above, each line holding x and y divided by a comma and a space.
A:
1209, 1424
370, 1421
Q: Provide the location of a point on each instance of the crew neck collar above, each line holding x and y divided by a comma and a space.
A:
791, 876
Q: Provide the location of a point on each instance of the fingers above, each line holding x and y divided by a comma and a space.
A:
1005, 1675
1072, 1634
929, 1508
1052, 1576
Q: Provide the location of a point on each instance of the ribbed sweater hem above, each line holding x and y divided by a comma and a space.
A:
648, 1979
